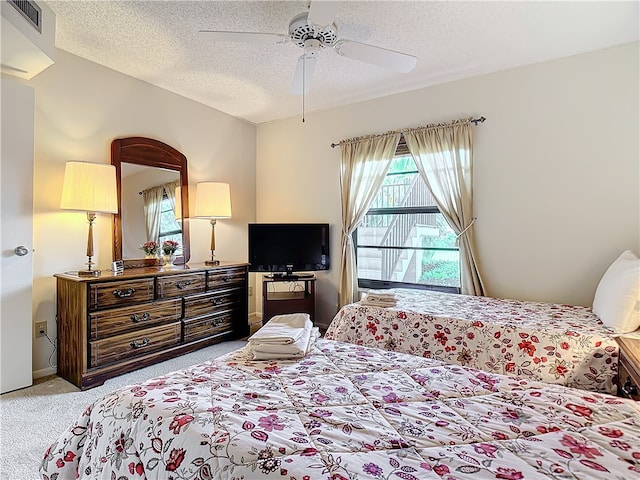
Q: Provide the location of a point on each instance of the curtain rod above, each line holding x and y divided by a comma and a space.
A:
151, 188
475, 121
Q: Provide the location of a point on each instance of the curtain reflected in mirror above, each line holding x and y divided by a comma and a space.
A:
148, 213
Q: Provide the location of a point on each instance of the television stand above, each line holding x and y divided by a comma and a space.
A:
302, 276
286, 277
280, 302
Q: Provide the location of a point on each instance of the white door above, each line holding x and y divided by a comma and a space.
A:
16, 201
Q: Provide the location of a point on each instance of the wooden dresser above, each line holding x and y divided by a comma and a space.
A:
116, 323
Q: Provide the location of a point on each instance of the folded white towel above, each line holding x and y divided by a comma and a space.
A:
373, 298
282, 329
295, 350
381, 293
373, 303
379, 298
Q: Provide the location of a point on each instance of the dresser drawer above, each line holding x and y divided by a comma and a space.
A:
181, 285
105, 323
208, 326
223, 278
131, 344
119, 322
114, 294
208, 303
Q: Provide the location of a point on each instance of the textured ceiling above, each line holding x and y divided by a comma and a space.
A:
157, 42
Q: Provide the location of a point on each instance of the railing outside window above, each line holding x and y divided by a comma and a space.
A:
404, 240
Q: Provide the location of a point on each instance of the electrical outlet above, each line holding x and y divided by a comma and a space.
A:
251, 290
41, 329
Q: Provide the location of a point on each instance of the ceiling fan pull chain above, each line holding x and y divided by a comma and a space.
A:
304, 75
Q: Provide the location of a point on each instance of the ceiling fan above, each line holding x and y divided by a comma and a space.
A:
313, 31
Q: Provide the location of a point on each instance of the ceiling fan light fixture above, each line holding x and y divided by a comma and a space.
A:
300, 30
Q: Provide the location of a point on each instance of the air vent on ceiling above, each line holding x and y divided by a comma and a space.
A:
30, 11
28, 38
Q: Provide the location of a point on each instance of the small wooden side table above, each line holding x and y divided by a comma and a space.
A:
629, 368
301, 300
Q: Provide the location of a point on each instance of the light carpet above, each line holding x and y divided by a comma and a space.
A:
32, 418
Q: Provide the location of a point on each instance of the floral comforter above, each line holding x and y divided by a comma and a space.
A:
348, 412
552, 343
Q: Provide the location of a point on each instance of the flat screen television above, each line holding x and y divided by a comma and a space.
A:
285, 248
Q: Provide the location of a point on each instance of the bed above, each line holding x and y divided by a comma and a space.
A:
553, 343
348, 412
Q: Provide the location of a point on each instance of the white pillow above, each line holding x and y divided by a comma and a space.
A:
617, 298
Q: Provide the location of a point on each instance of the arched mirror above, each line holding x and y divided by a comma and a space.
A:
148, 172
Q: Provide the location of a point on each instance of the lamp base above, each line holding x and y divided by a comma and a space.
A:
212, 262
89, 273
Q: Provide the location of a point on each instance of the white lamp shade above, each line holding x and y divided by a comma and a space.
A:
89, 187
213, 200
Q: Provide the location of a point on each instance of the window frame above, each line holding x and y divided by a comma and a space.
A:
402, 151
170, 233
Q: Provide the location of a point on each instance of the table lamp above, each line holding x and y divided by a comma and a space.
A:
213, 201
91, 188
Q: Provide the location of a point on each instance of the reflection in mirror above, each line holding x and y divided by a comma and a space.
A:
152, 170
148, 207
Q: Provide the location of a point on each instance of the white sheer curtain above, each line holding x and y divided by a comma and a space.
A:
170, 190
443, 155
363, 167
152, 211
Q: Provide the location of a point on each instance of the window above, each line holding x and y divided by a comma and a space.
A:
170, 228
404, 240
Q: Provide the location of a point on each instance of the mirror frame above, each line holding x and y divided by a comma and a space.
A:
150, 153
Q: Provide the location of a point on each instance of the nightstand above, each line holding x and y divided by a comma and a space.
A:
629, 368
302, 300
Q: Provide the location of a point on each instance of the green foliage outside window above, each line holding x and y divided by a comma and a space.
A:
438, 267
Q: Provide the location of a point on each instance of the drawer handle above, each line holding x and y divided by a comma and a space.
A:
216, 322
226, 279
216, 301
124, 293
143, 343
183, 285
135, 318
629, 389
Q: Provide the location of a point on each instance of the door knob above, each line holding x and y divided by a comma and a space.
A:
21, 251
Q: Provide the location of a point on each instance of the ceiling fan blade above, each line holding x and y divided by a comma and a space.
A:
322, 12
303, 75
397, 61
246, 37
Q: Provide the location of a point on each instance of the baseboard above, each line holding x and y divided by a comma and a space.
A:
44, 372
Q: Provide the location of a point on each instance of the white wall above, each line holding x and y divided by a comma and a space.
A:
80, 108
556, 164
